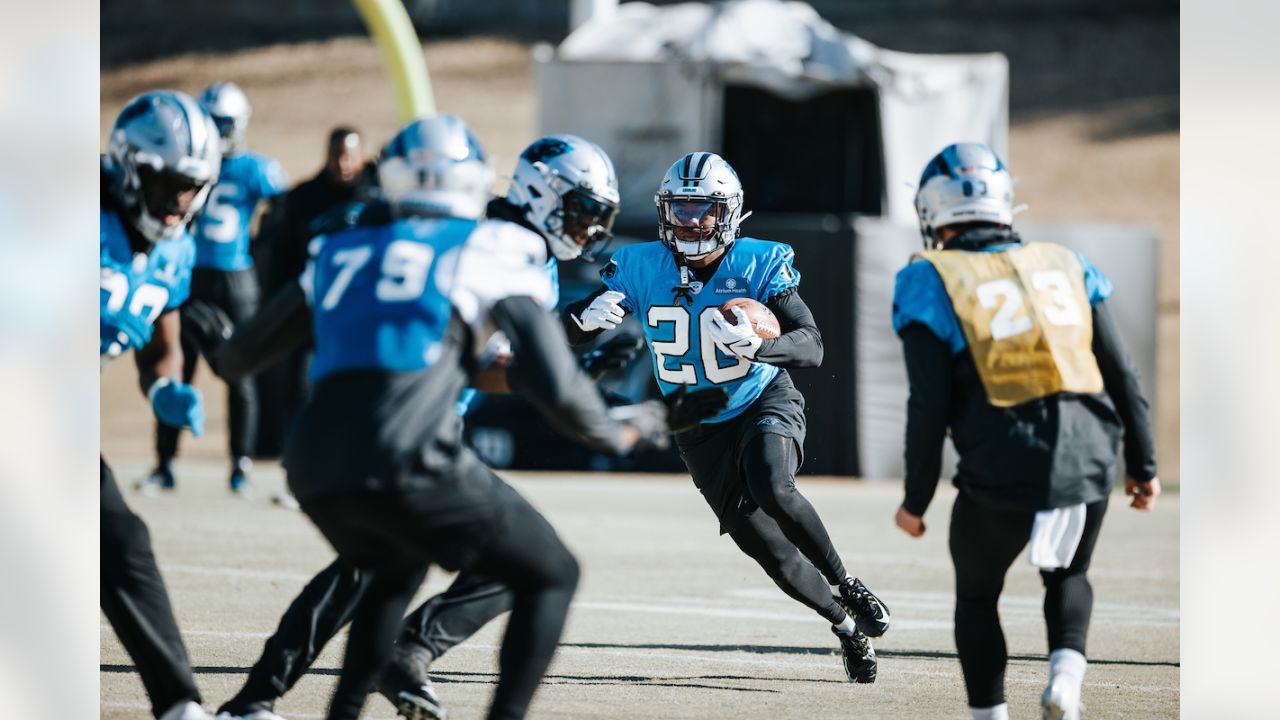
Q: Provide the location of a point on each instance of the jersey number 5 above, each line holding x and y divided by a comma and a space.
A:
1053, 296
685, 373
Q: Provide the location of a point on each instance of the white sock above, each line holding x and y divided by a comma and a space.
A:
846, 627
835, 589
996, 712
1067, 664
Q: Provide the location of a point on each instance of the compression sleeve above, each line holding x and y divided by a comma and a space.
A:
800, 345
282, 325
1121, 380
549, 376
928, 361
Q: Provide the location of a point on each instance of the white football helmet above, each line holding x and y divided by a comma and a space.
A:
435, 166
229, 107
699, 190
964, 183
163, 156
569, 190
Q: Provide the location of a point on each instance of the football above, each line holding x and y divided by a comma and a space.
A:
763, 321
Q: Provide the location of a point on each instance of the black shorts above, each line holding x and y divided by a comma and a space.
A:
713, 451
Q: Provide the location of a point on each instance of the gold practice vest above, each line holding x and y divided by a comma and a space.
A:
1026, 316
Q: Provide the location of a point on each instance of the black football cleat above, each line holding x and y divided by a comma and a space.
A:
405, 683
870, 615
859, 656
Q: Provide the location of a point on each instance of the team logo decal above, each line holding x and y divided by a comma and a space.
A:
696, 286
768, 420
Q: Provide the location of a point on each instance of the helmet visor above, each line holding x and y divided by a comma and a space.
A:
694, 220
588, 219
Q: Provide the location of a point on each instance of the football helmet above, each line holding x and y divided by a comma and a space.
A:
229, 107
163, 156
701, 191
569, 191
966, 182
435, 166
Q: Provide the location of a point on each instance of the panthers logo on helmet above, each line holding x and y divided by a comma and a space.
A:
545, 149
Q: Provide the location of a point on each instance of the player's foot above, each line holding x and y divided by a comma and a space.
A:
1061, 697
286, 500
869, 613
251, 711
406, 684
859, 657
161, 478
186, 710
1059, 703
251, 715
239, 481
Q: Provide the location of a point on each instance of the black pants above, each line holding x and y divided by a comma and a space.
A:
236, 294
327, 604
134, 600
396, 535
745, 468
984, 543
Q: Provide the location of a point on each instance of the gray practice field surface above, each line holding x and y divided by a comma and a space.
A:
670, 620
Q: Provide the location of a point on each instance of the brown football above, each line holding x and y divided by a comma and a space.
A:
763, 321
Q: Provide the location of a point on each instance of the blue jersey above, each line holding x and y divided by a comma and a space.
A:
919, 296
135, 289
684, 353
382, 296
222, 230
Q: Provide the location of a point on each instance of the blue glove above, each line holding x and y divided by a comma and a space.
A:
177, 404
122, 331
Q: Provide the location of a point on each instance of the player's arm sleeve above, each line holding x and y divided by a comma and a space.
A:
1122, 382
162, 355
928, 360
1096, 284
281, 326
549, 376
800, 345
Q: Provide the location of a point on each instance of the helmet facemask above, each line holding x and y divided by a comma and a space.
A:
581, 224
697, 227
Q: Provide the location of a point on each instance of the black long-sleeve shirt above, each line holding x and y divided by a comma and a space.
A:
1046, 453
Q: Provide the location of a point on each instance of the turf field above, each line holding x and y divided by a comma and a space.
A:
670, 620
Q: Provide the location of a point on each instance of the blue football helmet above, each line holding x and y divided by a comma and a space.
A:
229, 107
569, 190
965, 183
163, 156
435, 166
701, 191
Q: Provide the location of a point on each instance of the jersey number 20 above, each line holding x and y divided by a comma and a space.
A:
685, 373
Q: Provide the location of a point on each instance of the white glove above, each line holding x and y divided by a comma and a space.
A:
604, 313
740, 339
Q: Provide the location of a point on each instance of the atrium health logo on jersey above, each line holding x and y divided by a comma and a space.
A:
732, 286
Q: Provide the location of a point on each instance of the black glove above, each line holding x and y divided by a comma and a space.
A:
209, 326
686, 409
610, 356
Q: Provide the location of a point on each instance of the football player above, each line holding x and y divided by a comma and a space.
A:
1011, 349
224, 276
565, 190
745, 458
403, 312
162, 159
